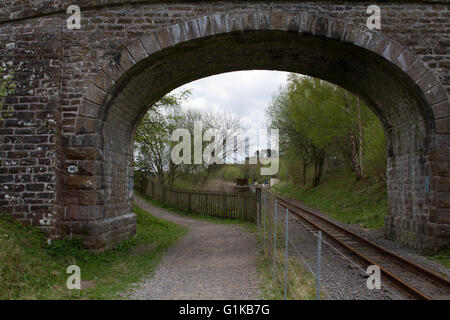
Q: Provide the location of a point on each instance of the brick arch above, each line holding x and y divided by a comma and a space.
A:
417, 216
391, 50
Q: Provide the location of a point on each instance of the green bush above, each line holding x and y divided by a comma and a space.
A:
65, 247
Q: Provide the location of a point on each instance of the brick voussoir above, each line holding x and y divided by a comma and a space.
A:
95, 95
405, 59
126, 61
164, 38
392, 51
436, 95
191, 29
104, 81
234, 22
205, 26
443, 125
137, 51
220, 23
113, 70
150, 43
441, 109
177, 33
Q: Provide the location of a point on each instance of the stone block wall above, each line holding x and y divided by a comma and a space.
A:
74, 104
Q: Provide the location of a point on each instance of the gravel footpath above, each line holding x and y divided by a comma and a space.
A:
213, 262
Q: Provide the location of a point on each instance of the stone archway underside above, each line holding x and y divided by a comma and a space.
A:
391, 93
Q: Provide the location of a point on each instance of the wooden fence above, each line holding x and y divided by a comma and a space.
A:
231, 205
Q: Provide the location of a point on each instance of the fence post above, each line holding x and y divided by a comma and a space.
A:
319, 252
225, 207
189, 202
264, 224
245, 204
224, 214
153, 192
258, 208
275, 240
286, 235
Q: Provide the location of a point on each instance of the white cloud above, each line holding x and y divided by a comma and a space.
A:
245, 94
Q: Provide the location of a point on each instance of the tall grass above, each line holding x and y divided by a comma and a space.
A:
300, 283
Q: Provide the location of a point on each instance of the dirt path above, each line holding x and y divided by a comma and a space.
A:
213, 261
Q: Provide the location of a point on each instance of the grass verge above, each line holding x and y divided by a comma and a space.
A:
300, 283
342, 198
247, 225
442, 257
31, 269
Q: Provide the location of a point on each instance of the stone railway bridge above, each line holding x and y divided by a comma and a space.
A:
80, 94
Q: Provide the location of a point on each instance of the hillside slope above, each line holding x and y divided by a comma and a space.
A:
339, 195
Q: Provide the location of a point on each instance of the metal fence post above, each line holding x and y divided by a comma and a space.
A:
264, 223
286, 253
319, 252
275, 241
258, 209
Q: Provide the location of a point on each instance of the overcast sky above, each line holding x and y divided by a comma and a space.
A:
245, 94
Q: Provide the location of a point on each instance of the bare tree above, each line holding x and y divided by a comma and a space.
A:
227, 126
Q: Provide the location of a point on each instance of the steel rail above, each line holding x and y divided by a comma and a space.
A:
430, 275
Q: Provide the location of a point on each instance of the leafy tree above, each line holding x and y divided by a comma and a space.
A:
230, 173
318, 120
292, 140
375, 150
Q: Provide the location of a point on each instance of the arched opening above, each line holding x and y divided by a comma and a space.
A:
165, 60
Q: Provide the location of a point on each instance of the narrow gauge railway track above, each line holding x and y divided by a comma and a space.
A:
410, 278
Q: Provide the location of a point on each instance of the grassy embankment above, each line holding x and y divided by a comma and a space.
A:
342, 198
31, 269
442, 257
363, 203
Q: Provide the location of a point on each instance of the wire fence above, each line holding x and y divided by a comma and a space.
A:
306, 264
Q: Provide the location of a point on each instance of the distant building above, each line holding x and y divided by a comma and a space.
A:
263, 154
